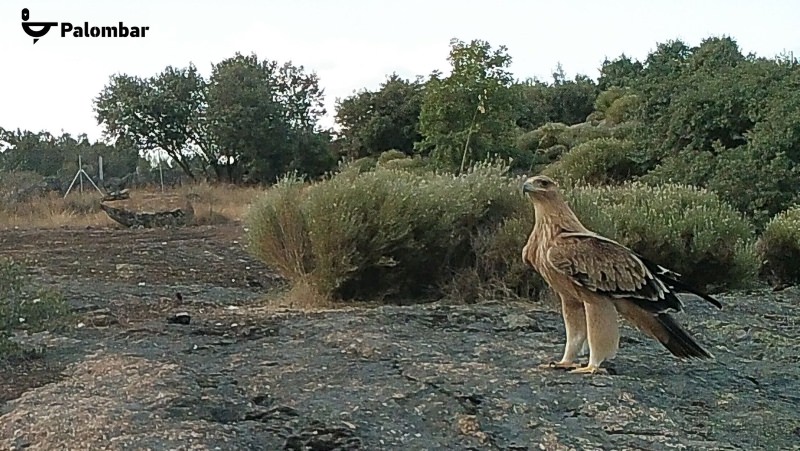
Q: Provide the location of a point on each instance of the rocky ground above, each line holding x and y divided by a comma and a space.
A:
243, 375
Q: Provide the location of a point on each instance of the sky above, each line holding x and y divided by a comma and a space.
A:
350, 44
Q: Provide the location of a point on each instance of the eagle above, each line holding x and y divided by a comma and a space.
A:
597, 279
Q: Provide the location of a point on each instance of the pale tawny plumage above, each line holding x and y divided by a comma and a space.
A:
596, 279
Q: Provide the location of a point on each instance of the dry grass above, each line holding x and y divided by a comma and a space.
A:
213, 204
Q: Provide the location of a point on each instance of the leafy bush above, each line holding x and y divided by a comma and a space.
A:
753, 181
598, 161
355, 167
549, 134
779, 248
23, 306
687, 229
578, 134
383, 234
390, 155
607, 98
499, 270
622, 109
416, 165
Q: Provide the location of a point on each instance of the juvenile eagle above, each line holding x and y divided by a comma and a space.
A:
597, 278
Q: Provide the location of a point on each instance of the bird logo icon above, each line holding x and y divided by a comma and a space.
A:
28, 27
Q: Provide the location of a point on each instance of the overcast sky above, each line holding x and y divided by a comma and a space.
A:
351, 44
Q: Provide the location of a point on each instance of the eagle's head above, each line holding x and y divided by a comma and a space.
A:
539, 187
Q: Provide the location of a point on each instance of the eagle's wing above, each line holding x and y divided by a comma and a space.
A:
608, 268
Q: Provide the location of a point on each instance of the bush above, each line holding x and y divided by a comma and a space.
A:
597, 162
355, 167
687, 229
415, 165
383, 234
394, 234
390, 155
607, 98
779, 248
622, 109
499, 271
23, 306
753, 181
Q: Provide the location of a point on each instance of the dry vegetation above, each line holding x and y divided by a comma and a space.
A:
212, 204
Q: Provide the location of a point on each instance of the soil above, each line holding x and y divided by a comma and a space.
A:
245, 375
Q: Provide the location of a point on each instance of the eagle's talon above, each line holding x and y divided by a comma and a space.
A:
589, 369
560, 365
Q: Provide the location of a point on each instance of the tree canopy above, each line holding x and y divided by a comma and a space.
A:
705, 115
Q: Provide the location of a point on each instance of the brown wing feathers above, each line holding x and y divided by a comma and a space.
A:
608, 268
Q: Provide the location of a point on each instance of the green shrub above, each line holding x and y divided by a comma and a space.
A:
753, 181
390, 155
578, 134
687, 229
384, 234
597, 162
416, 165
622, 109
395, 234
607, 98
549, 134
355, 167
779, 248
499, 271
24, 306
528, 141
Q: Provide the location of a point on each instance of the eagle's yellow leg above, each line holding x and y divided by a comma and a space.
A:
575, 324
602, 329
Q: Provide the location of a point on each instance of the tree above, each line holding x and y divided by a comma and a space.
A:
161, 113
571, 101
258, 112
376, 121
621, 72
534, 108
470, 114
35, 152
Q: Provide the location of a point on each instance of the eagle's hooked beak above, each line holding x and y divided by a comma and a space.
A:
528, 187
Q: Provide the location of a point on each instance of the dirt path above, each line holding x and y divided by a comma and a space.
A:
241, 377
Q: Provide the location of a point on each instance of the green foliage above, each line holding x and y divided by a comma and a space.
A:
621, 72
355, 167
469, 115
376, 121
499, 271
779, 248
712, 117
686, 229
384, 233
252, 119
616, 105
262, 116
390, 155
158, 113
23, 306
415, 164
623, 109
57, 156
600, 161
395, 234
562, 101
571, 101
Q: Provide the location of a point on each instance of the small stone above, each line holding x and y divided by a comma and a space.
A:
180, 318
